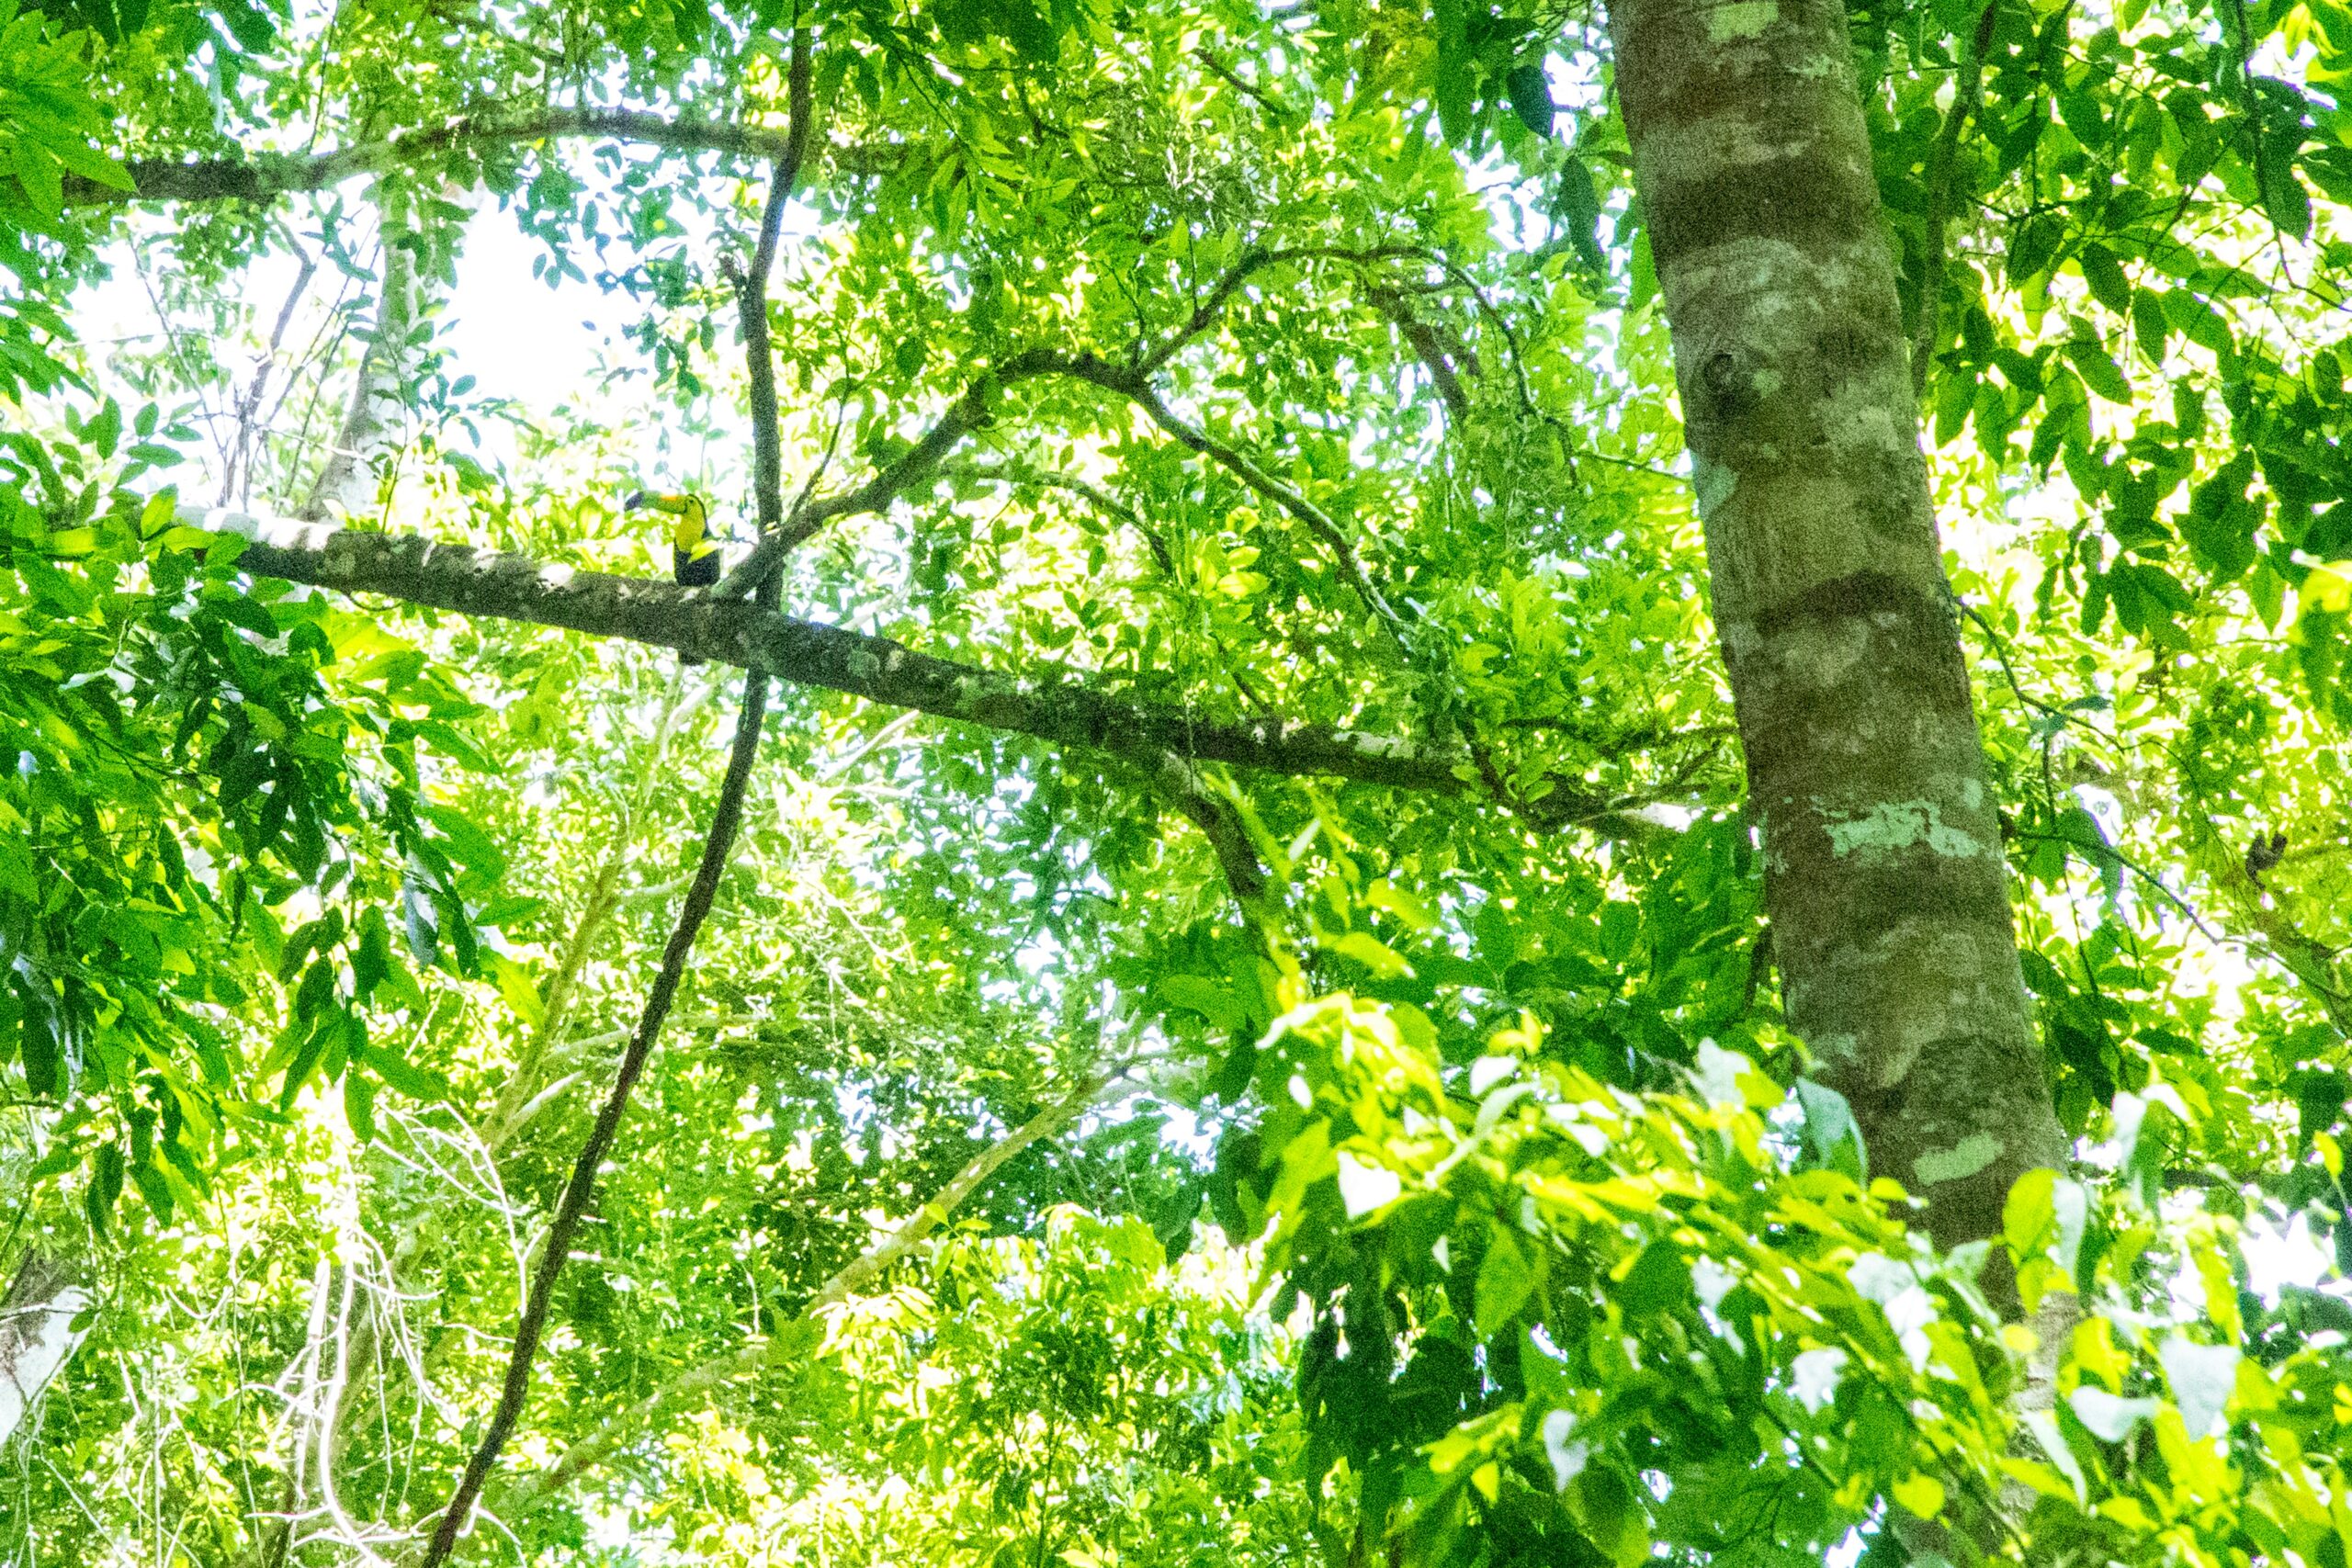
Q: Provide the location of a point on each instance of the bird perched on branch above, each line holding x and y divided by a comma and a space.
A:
694, 548
694, 551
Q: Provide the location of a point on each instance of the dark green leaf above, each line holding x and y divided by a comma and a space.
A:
1530, 96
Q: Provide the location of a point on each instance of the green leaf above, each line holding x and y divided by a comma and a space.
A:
317, 989
423, 923
37, 1044
1370, 952
1659, 1281
2220, 521
1530, 96
2284, 199
1504, 1283
516, 986
307, 1056
37, 171
2105, 276
1830, 1130
106, 1188
372, 958
253, 28
1215, 1000
2032, 245
400, 1073
2089, 358
149, 1179
2029, 1213
359, 1105
2202, 325
1451, 86
105, 429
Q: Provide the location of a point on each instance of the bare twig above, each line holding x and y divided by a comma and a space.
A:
1254, 260
239, 462
717, 848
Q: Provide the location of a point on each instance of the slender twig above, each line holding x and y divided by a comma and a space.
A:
2187, 910
1226, 74
716, 850
1254, 260
249, 407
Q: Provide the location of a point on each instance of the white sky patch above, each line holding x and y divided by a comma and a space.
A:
2276, 1257
42, 1338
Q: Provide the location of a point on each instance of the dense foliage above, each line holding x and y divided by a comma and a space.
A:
1067, 1153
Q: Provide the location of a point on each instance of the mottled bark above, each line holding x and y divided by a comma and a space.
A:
37, 1335
1060, 706
1884, 878
374, 421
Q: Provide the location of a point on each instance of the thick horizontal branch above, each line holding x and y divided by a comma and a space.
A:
1060, 706
263, 176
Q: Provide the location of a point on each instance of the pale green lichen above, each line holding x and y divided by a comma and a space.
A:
1712, 482
1899, 825
1964, 1158
1741, 20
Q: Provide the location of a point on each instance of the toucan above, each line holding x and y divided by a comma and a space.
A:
694, 554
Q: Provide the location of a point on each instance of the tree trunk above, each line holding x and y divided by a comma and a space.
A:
1884, 879
375, 422
37, 1334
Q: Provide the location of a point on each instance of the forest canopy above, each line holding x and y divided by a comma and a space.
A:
1170, 782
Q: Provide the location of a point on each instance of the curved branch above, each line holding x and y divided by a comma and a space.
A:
1254, 260
1221, 825
264, 176
977, 407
